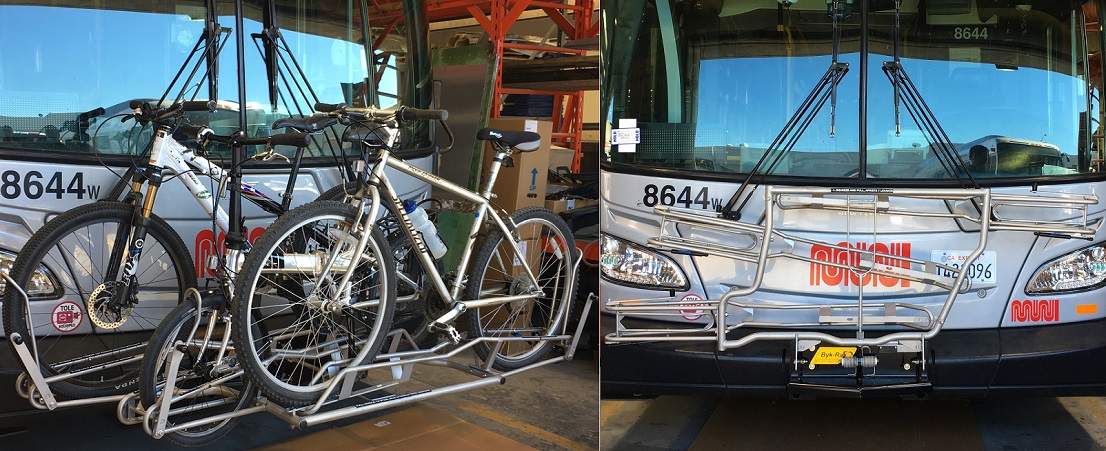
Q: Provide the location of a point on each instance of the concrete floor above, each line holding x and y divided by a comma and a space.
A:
554, 407
710, 423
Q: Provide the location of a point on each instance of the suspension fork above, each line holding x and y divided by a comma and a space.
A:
133, 233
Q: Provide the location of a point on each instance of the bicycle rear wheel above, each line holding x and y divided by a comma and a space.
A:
549, 249
74, 307
199, 365
293, 329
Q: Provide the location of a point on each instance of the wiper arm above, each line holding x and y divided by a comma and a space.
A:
911, 98
825, 89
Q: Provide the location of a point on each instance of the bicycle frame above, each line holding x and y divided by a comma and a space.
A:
167, 154
378, 181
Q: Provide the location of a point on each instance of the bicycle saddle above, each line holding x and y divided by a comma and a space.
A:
523, 141
309, 124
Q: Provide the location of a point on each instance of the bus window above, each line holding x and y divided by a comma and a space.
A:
70, 70
715, 93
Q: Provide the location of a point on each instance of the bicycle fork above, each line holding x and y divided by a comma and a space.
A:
129, 240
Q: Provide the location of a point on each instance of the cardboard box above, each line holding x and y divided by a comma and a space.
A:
560, 156
561, 206
524, 184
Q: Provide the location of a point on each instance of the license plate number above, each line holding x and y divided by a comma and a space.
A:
983, 271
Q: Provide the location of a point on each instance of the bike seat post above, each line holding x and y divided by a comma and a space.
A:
501, 154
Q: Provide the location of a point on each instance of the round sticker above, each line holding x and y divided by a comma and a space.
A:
66, 316
692, 314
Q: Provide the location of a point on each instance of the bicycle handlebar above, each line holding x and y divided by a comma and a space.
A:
201, 134
412, 114
403, 113
144, 112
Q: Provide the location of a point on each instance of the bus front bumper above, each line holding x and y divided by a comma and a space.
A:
1066, 359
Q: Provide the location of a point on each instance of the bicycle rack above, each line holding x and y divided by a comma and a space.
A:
759, 244
33, 386
399, 364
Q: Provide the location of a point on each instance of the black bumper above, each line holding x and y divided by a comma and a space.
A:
1054, 360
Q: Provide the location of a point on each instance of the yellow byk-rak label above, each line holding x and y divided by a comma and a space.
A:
827, 355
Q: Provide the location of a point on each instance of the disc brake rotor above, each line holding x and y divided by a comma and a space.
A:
100, 310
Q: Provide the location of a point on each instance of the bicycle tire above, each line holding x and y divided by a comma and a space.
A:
337, 338
74, 247
545, 240
339, 192
196, 368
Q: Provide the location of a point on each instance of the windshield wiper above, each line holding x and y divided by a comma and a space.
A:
825, 89
911, 98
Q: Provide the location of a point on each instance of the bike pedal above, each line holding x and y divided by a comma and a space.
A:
452, 334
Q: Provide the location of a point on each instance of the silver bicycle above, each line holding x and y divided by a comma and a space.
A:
317, 292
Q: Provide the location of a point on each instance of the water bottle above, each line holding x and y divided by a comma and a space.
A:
422, 223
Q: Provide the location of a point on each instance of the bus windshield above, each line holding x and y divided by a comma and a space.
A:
998, 89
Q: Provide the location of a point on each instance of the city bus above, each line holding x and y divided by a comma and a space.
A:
69, 70
853, 198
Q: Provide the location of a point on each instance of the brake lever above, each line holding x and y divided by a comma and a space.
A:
269, 155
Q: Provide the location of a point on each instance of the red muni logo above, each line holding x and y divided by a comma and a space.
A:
821, 274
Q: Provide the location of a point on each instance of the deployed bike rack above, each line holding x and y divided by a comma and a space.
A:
400, 364
759, 244
35, 387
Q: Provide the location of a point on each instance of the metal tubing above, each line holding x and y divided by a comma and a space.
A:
166, 399
214, 419
373, 407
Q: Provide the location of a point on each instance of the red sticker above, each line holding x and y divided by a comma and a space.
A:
66, 316
1035, 310
692, 314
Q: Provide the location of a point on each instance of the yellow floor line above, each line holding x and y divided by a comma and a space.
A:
1095, 408
523, 426
607, 409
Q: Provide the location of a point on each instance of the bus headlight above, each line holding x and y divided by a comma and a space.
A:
629, 263
42, 283
1085, 268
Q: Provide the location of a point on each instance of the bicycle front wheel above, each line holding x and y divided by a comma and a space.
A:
210, 383
295, 326
76, 320
548, 249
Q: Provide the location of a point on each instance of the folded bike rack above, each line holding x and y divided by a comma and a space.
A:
759, 244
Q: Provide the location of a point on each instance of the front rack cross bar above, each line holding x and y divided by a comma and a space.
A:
694, 233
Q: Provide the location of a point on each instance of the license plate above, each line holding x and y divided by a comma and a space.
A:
982, 271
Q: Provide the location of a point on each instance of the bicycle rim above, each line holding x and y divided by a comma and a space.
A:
295, 330
63, 269
547, 248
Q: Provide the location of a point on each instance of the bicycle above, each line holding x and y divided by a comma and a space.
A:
123, 266
317, 289
206, 379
